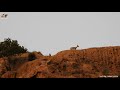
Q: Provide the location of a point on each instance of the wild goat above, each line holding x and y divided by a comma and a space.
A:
74, 48
49, 54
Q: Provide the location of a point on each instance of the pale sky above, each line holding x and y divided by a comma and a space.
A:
50, 32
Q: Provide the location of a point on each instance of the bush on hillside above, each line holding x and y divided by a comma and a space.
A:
10, 47
31, 56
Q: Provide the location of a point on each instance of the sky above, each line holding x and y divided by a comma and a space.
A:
51, 32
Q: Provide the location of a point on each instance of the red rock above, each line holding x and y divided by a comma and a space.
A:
30, 69
4, 66
86, 63
9, 74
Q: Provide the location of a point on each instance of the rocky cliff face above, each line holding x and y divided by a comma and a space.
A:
4, 66
86, 63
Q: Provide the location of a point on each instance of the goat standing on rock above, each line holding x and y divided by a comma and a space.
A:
74, 48
49, 54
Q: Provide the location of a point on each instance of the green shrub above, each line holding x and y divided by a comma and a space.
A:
106, 71
10, 47
31, 56
75, 66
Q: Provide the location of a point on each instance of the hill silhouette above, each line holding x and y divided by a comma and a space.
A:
84, 63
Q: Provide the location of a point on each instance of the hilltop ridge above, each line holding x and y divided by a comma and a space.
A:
84, 63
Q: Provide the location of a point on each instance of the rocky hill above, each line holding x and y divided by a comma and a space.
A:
85, 63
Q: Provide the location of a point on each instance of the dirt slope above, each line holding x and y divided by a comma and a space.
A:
86, 63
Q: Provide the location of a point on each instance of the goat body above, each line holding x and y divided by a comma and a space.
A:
74, 48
